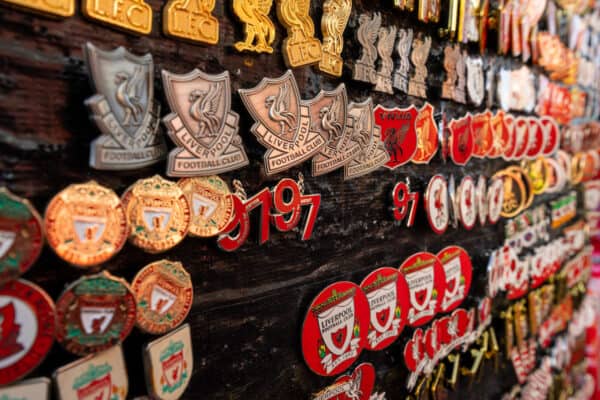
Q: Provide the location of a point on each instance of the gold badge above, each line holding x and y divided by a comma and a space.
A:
300, 47
158, 214
259, 29
539, 172
86, 224
514, 194
61, 8
128, 15
451, 56
334, 20
191, 20
211, 205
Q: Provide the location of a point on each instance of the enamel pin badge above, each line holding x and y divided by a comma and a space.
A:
467, 203
366, 34
283, 123
427, 135
184, 19
300, 47
461, 140
475, 80
451, 55
333, 23
437, 204
124, 109
403, 46
398, 133
385, 46
202, 125
30, 389
458, 271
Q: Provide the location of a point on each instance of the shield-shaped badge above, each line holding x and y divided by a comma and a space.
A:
398, 132
483, 137
95, 318
500, 135
202, 125
511, 145
521, 137
427, 135
124, 110
461, 140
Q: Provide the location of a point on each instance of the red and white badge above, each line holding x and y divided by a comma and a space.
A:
387, 293
500, 134
335, 328
467, 203
495, 199
425, 278
357, 386
437, 204
482, 203
552, 134
482, 134
509, 150
521, 137
427, 135
398, 133
458, 271
414, 352
453, 328
537, 139
461, 140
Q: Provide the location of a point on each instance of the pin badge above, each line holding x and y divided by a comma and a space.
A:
527, 185
537, 139
552, 135
556, 176
458, 270
398, 132
86, 224
436, 204
539, 173
169, 363
258, 27
124, 109
364, 68
191, 21
100, 376
129, 15
514, 196
511, 145
202, 125
427, 135
362, 129
402, 196
425, 278
158, 214
429, 11
163, 292
417, 85
333, 23
461, 140
358, 386
482, 134
467, 203
31, 389
385, 46
521, 137
386, 291
403, 46
475, 81
28, 324
452, 194
451, 56
300, 47
459, 89
335, 328
94, 313
62, 8
500, 135
482, 199
21, 236
283, 123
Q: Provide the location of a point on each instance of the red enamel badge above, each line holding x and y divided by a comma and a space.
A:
427, 135
398, 133
511, 144
467, 203
437, 204
414, 351
500, 135
521, 137
387, 293
481, 195
335, 328
461, 140
552, 134
482, 134
495, 199
458, 271
425, 278
537, 139
357, 386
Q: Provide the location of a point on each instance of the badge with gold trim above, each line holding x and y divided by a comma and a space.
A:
184, 19
129, 15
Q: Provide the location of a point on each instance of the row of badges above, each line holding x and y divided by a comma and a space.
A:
346, 318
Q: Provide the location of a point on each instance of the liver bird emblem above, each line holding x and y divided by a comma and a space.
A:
394, 139
333, 23
367, 35
362, 131
258, 28
204, 109
330, 124
129, 94
295, 14
279, 106
354, 392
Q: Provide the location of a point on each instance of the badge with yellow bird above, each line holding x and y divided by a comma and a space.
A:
333, 23
259, 30
300, 47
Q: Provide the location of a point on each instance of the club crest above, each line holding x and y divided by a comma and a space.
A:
500, 135
366, 34
398, 133
417, 86
191, 21
401, 74
333, 23
458, 269
482, 134
427, 135
358, 386
300, 47
124, 109
385, 46
283, 123
461, 140
451, 56
437, 204
202, 125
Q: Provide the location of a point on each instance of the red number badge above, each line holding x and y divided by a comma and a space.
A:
405, 203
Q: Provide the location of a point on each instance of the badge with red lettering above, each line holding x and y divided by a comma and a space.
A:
401, 197
437, 204
500, 135
427, 135
482, 203
537, 138
425, 278
482, 134
398, 132
357, 386
461, 140
458, 269
467, 203
521, 137
495, 199
552, 135
27, 322
335, 328
386, 291
511, 145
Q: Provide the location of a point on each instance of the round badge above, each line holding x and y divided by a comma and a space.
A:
164, 294
453, 202
467, 203
425, 278
556, 176
94, 313
527, 185
537, 138
458, 271
564, 159
482, 201
436, 204
552, 135
539, 174
86, 224
386, 291
21, 236
28, 324
211, 204
335, 328
514, 195
495, 200
158, 214
521, 137
511, 144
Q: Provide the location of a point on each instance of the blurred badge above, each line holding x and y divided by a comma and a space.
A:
537, 138
163, 293
21, 236
511, 145
188, 21
457, 270
283, 123
385, 47
495, 200
169, 363
552, 135
398, 132
124, 110
31, 389
94, 313
357, 386
481, 196
101, 376
521, 137
61, 8
475, 80
335, 328
27, 322
467, 203
158, 214
427, 135
437, 204
461, 140
202, 125
500, 135
483, 138
425, 278
514, 194
387, 293
86, 224
538, 171
129, 15
368, 28
417, 85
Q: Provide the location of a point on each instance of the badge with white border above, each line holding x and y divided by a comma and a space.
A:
552, 135
482, 201
495, 200
461, 140
414, 357
31, 389
427, 135
537, 138
398, 133
458, 269
467, 203
357, 386
511, 146
521, 137
437, 204
386, 291
335, 328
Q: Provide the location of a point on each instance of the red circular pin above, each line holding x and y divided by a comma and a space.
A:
437, 204
537, 138
335, 328
458, 271
521, 137
425, 278
511, 143
467, 203
26, 329
387, 293
495, 199
552, 134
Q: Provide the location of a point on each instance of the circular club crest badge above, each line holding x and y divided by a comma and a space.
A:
467, 203
335, 328
495, 200
425, 278
482, 204
21, 236
436, 204
386, 291
94, 313
164, 294
458, 271
28, 325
